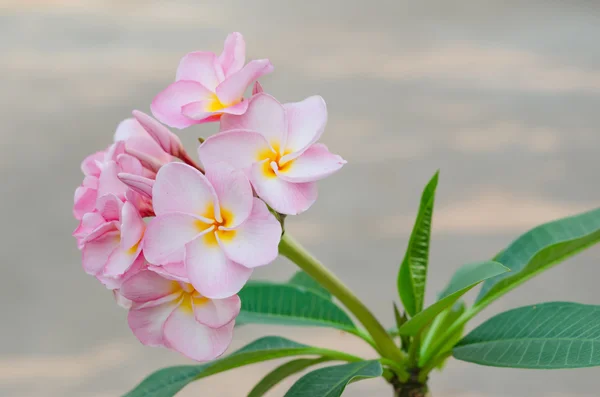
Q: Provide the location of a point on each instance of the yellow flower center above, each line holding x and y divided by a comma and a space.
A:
217, 226
273, 155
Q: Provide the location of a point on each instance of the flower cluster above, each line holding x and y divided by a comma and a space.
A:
176, 241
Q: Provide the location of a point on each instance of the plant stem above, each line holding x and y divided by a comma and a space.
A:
292, 250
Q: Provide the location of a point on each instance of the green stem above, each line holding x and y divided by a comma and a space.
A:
431, 353
292, 250
337, 355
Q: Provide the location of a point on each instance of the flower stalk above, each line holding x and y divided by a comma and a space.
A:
292, 250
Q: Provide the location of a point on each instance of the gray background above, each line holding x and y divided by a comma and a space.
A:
503, 96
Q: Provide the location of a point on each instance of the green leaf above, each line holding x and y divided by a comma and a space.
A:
303, 280
540, 248
285, 304
331, 381
413, 270
282, 372
168, 381
545, 336
463, 280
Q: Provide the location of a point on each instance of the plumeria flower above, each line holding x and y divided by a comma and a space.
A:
110, 238
275, 145
101, 170
207, 86
174, 315
225, 230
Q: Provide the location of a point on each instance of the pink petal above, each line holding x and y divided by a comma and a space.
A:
239, 148
211, 273
109, 183
257, 89
256, 241
234, 54
109, 206
147, 323
314, 164
138, 183
96, 252
232, 89
201, 67
237, 109
132, 226
284, 197
89, 222
101, 230
147, 286
116, 281
127, 129
167, 234
198, 110
166, 106
168, 141
119, 261
265, 115
85, 201
184, 334
89, 166
171, 271
181, 188
215, 313
121, 300
306, 123
233, 192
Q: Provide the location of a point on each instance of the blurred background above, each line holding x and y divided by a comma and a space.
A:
502, 96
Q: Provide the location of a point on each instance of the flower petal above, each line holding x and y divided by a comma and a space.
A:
306, 123
238, 148
147, 286
109, 206
108, 182
234, 193
314, 164
181, 188
215, 313
84, 202
147, 323
256, 241
96, 252
139, 184
167, 234
211, 273
232, 89
184, 334
166, 106
236, 109
264, 115
284, 197
132, 226
169, 142
200, 66
233, 57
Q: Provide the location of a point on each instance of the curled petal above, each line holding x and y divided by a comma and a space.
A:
108, 182
84, 201
256, 240
168, 141
314, 164
182, 188
89, 166
216, 313
284, 197
211, 272
202, 67
184, 334
232, 89
138, 183
109, 206
167, 105
97, 251
234, 54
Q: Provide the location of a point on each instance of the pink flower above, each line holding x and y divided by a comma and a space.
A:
101, 170
275, 145
225, 230
110, 239
207, 86
173, 314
